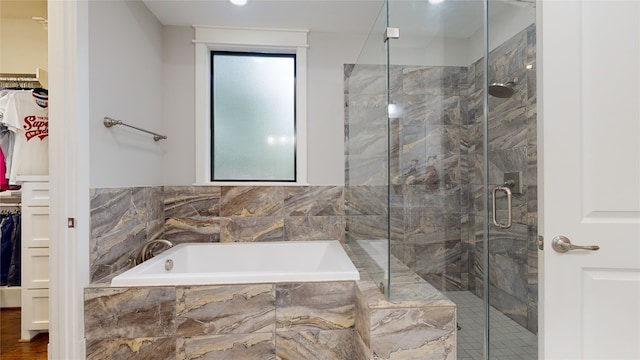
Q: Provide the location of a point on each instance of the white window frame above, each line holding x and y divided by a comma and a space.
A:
213, 38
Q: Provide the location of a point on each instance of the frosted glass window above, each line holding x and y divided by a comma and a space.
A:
253, 117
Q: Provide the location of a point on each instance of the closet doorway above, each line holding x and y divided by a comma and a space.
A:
24, 206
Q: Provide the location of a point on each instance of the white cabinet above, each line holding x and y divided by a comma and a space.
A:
35, 194
35, 227
37, 318
35, 259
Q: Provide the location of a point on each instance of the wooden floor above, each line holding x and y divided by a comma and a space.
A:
10, 348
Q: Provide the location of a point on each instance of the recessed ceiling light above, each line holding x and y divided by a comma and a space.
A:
435, 1
238, 2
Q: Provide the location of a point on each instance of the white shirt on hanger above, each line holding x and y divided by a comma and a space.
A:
30, 124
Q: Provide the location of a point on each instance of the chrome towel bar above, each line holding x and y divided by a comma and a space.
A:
109, 122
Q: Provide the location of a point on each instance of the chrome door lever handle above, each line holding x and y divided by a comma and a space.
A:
562, 244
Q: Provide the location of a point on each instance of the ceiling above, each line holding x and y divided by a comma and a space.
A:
322, 16
452, 18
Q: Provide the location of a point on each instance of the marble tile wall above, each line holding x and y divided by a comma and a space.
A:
424, 162
433, 110
436, 209
253, 213
255, 321
122, 219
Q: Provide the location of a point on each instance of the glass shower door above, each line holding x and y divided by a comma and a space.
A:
438, 102
511, 175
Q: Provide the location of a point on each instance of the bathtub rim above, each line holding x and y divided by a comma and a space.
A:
131, 277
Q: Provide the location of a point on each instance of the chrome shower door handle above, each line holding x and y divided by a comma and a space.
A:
562, 244
507, 191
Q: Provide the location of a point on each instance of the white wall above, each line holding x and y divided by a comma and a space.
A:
178, 114
23, 42
125, 82
327, 54
24, 46
429, 51
503, 25
143, 73
413, 49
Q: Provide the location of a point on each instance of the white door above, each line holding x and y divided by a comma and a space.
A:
590, 178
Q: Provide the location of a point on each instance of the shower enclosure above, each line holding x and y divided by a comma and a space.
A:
440, 162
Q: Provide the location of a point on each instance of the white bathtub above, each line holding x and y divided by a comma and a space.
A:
243, 263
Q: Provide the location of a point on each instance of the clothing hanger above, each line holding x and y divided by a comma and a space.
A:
41, 95
41, 91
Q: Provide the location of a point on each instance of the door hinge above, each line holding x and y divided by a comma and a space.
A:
71, 222
540, 242
391, 33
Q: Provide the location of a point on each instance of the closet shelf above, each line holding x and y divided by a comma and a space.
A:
32, 178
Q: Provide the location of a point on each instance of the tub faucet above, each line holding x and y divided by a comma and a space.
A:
145, 252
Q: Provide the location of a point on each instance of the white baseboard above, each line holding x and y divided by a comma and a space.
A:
10, 296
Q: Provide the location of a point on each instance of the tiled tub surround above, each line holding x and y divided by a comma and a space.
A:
297, 321
331, 320
254, 321
435, 160
123, 219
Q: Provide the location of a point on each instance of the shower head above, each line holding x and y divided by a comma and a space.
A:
503, 90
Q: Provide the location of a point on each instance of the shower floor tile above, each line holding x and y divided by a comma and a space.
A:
509, 340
